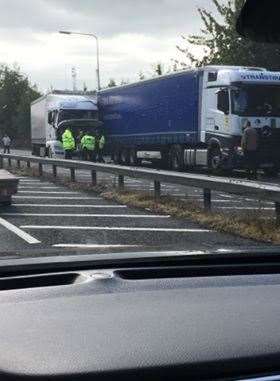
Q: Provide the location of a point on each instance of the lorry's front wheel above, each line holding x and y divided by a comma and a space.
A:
214, 160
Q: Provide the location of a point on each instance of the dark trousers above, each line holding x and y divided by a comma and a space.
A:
88, 155
68, 154
6, 149
251, 162
99, 156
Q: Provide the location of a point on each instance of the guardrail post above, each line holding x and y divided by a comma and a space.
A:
73, 177
277, 212
54, 170
93, 178
121, 182
207, 199
157, 189
18, 164
40, 169
9, 162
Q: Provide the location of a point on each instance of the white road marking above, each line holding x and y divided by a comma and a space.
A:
56, 227
225, 195
72, 206
46, 192
20, 233
29, 181
55, 198
222, 201
39, 187
244, 208
93, 246
84, 215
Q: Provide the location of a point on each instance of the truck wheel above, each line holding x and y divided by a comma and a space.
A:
116, 157
176, 158
165, 160
271, 172
133, 159
124, 157
214, 160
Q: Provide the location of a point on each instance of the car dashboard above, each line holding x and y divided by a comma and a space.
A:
192, 317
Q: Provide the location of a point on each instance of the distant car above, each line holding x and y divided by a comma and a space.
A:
55, 149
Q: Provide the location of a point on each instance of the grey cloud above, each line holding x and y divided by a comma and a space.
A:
105, 17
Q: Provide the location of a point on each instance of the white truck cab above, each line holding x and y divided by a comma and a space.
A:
53, 113
231, 96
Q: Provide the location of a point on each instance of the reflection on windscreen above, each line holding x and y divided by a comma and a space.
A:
256, 101
77, 114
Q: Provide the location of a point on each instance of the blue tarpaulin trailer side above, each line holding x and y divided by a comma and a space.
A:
152, 114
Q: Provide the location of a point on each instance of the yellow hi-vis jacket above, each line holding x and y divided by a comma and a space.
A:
88, 142
68, 140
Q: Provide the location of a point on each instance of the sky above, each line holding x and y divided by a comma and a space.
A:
134, 35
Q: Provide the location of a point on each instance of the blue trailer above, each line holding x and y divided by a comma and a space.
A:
190, 118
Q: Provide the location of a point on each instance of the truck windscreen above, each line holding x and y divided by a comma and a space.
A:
256, 100
77, 114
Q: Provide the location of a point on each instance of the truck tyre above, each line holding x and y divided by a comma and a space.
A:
214, 160
133, 159
177, 158
116, 157
124, 157
271, 172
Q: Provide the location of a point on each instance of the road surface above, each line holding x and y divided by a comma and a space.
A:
48, 216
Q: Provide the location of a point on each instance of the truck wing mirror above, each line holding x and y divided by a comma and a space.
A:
223, 101
50, 117
259, 21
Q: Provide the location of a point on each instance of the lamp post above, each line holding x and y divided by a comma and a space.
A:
97, 51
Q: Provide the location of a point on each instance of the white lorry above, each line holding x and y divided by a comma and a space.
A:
52, 113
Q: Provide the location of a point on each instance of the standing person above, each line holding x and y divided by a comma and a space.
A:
6, 143
88, 146
100, 143
249, 145
68, 142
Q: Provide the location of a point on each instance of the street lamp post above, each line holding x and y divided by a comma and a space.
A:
97, 52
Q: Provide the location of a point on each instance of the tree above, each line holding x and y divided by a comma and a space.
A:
158, 69
112, 83
124, 82
141, 76
221, 44
16, 95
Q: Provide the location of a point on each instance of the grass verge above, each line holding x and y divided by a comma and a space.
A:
251, 226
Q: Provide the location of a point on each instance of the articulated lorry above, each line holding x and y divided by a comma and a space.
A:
53, 113
194, 118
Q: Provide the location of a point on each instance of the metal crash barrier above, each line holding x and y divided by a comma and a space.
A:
254, 189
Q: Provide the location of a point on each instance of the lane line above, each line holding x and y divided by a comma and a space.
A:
93, 246
72, 206
37, 187
20, 233
84, 215
56, 227
244, 208
55, 198
30, 181
46, 192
